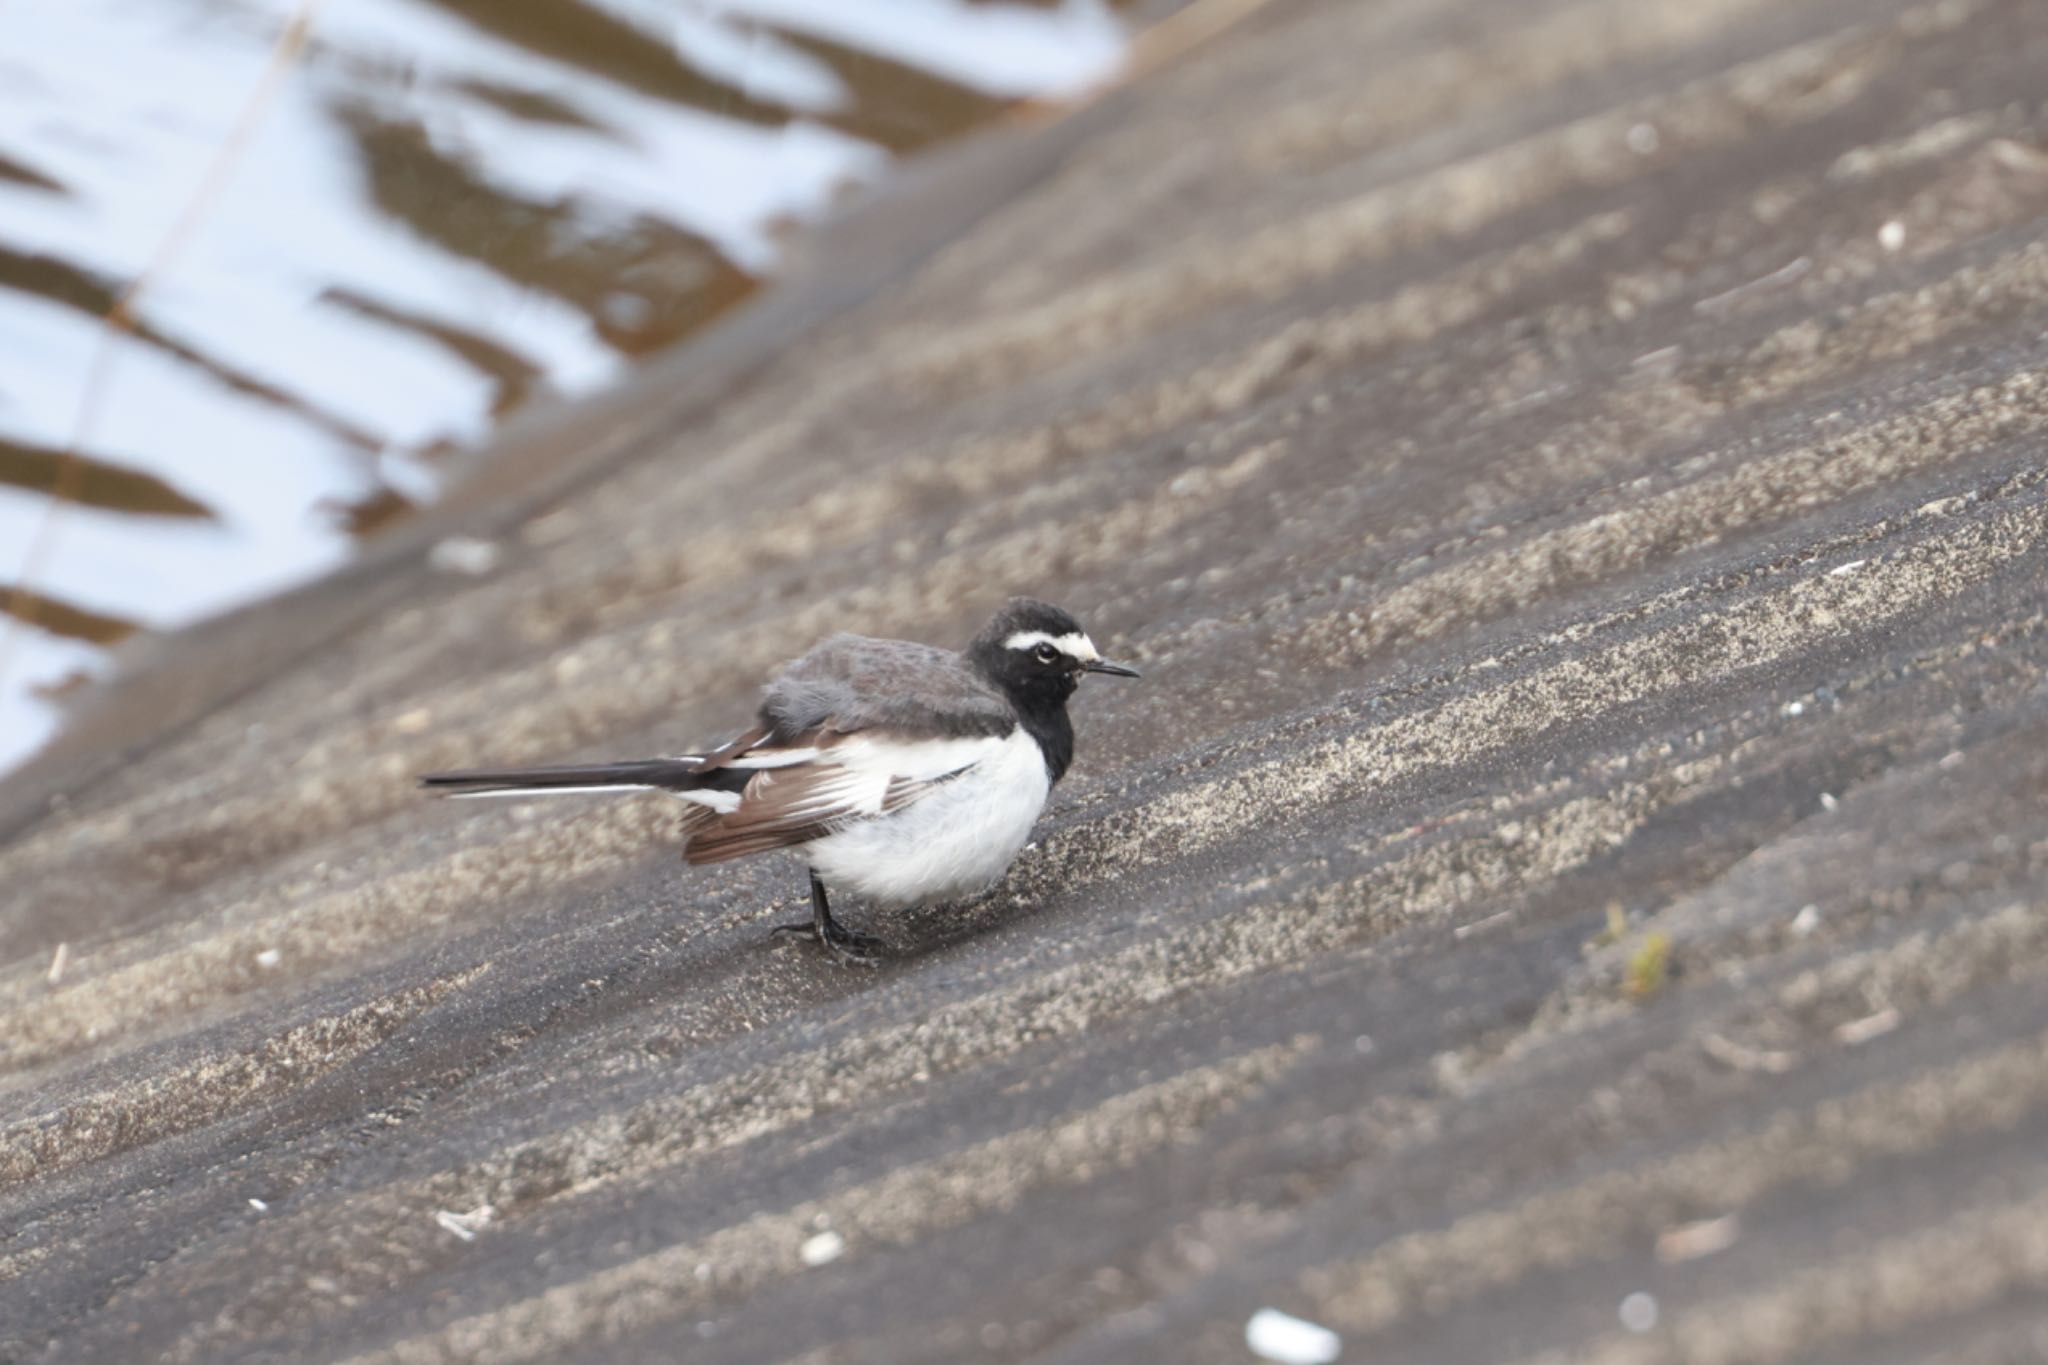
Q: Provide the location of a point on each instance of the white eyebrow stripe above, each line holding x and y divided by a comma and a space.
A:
1074, 644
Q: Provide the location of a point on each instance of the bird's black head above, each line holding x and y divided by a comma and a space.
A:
1037, 653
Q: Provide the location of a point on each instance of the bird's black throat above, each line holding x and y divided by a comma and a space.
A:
1045, 719
1039, 699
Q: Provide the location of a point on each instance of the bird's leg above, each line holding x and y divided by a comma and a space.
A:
843, 942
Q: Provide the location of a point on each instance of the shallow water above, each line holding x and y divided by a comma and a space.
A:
445, 209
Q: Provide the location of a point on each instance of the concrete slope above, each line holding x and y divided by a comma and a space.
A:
1569, 887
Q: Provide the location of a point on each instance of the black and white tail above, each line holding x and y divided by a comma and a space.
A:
687, 777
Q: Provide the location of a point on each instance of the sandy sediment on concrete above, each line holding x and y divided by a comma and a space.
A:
1571, 475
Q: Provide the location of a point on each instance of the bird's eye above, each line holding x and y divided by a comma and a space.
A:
1046, 654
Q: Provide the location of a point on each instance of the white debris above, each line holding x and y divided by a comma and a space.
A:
1465, 931
1795, 708
1639, 1312
823, 1249
464, 555
258, 1204
1868, 1027
1733, 1054
59, 962
1691, 1241
1828, 801
1282, 1337
1851, 567
466, 1225
1806, 921
269, 958
1790, 273
1663, 360
1892, 235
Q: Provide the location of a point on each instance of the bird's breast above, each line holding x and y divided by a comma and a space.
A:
952, 841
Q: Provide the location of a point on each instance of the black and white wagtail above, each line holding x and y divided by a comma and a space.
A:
904, 773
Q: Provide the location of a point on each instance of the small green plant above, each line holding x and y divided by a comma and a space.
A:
1649, 966
1616, 928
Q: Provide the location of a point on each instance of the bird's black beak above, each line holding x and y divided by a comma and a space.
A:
1113, 669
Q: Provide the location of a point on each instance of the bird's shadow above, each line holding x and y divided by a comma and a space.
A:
921, 931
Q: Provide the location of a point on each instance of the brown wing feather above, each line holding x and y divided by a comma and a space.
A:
782, 807
777, 809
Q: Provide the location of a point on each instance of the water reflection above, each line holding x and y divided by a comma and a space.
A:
451, 207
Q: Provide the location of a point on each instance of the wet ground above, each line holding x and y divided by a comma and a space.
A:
1568, 887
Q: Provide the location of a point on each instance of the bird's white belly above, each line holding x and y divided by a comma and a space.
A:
953, 841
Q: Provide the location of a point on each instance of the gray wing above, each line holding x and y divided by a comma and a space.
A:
851, 683
846, 733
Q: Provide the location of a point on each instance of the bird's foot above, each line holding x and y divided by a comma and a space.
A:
843, 944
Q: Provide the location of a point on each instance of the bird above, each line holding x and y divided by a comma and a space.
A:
904, 774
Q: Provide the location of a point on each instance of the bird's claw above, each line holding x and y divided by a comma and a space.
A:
844, 944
